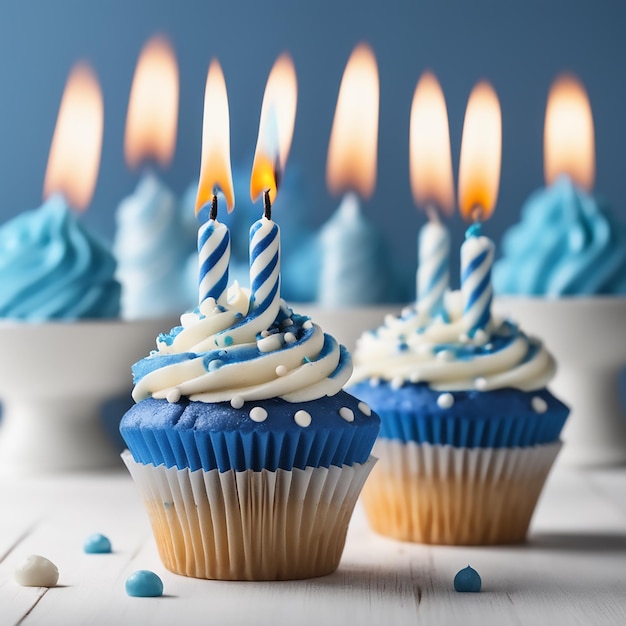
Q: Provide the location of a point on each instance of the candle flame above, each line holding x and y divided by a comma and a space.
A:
215, 171
153, 105
278, 114
568, 142
430, 162
351, 163
76, 145
481, 153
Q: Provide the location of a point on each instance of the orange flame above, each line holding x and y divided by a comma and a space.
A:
351, 162
568, 141
278, 114
153, 105
481, 153
76, 146
215, 172
430, 162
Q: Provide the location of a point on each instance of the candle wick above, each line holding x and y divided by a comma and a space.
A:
432, 214
477, 213
267, 205
213, 211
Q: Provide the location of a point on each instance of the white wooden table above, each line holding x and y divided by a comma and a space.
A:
571, 571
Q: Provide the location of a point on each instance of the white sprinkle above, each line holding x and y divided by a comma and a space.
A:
464, 338
237, 402
290, 337
258, 414
415, 377
423, 349
397, 382
215, 364
286, 322
307, 325
346, 413
302, 418
481, 337
364, 408
374, 382
406, 311
270, 343
539, 404
445, 401
36, 571
488, 346
480, 383
173, 395
281, 370
445, 355
389, 319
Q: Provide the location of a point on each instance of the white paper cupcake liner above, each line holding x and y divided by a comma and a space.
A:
459, 496
250, 525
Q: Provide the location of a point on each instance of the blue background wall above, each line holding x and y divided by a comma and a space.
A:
519, 47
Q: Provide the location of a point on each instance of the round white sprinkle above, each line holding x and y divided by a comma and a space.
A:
270, 343
36, 571
302, 418
286, 322
281, 370
445, 355
307, 325
480, 383
290, 337
488, 346
364, 408
445, 401
215, 364
406, 311
347, 414
265, 333
237, 402
397, 382
374, 382
173, 395
539, 404
464, 338
415, 377
258, 414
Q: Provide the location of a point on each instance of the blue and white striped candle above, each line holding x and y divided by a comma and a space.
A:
477, 254
433, 272
264, 265
213, 257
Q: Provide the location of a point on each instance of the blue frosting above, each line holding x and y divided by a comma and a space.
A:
567, 244
52, 268
500, 418
198, 435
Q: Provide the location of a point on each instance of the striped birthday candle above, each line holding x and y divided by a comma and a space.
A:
477, 254
213, 257
433, 274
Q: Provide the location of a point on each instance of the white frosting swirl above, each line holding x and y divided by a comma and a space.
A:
415, 348
222, 352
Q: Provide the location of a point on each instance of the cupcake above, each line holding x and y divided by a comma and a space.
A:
247, 452
468, 429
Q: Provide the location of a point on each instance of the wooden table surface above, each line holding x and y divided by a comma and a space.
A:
571, 571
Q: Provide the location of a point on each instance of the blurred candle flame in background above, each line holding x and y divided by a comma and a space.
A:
76, 146
353, 145
481, 153
276, 124
152, 118
430, 162
215, 168
568, 141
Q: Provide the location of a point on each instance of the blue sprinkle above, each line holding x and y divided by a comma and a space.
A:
474, 230
238, 315
228, 340
144, 584
97, 544
403, 347
306, 359
467, 580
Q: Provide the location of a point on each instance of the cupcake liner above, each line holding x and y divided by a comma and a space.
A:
249, 525
188, 435
459, 496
